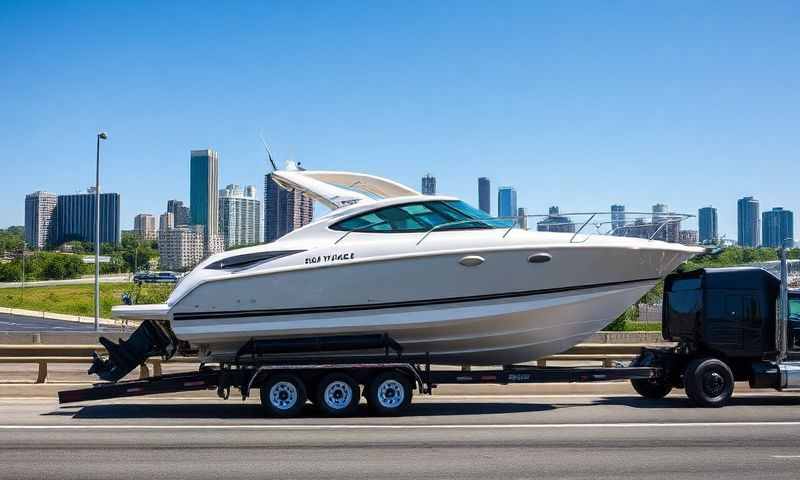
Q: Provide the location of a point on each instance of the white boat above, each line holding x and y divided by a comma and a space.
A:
440, 277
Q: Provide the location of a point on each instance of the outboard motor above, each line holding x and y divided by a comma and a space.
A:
149, 340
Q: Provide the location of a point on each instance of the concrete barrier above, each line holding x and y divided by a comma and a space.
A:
42, 355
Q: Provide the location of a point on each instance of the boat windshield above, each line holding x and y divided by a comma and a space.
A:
422, 217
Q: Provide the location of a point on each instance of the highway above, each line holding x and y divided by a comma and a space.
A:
25, 323
467, 437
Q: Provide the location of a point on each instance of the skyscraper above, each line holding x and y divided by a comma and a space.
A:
239, 216
144, 227
180, 213
39, 207
555, 222
284, 210
166, 222
74, 218
665, 226
181, 248
707, 219
522, 218
778, 228
506, 202
749, 227
203, 190
429, 185
485, 195
617, 218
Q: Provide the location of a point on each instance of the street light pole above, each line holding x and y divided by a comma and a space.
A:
22, 294
100, 136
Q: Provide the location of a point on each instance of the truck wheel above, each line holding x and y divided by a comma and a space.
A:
283, 395
337, 395
651, 389
709, 382
389, 393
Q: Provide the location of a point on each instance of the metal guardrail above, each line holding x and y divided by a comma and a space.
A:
43, 355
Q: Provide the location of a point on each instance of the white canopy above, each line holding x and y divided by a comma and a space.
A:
339, 189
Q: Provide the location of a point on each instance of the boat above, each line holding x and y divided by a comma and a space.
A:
443, 279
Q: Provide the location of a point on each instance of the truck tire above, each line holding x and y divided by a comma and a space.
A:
337, 395
708, 382
283, 395
651, 389
389, 393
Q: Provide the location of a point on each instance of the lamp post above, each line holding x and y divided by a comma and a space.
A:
100, 136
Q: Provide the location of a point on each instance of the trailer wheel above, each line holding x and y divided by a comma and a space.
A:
283, 395
653, 389
708, 382
389, 393
337, 395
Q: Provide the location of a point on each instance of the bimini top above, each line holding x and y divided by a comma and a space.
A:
340, 189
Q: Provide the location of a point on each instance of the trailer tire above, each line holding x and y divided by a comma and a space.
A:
651, 389
708, 382
337, 395
389, 393
283, 395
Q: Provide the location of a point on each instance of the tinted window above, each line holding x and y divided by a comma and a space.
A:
421, 217
794, 307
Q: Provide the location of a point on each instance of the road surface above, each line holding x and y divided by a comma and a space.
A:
23, 323
442, 437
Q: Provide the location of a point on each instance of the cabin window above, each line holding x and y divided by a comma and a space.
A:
421, 217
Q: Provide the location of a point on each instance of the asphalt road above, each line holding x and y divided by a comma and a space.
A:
441, 437
22, 323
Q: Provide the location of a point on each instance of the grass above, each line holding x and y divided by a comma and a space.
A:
79, 299
642, 327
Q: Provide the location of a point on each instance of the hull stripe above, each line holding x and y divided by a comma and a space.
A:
406, 304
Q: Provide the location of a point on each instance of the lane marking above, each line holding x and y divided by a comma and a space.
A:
509, 426
785, 456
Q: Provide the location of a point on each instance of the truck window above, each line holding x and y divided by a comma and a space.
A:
794, 307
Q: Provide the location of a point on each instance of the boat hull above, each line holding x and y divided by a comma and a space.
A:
510, 329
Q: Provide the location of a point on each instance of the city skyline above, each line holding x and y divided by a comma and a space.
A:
697, 109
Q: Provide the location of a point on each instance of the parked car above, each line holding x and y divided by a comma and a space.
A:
154, 277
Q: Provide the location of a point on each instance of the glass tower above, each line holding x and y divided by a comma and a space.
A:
777, 228
707, 219
203, 190
749, 224
506, 202
485, 195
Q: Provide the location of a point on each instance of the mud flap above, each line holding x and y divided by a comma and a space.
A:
150, 339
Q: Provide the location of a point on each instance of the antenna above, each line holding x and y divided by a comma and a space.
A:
269, 154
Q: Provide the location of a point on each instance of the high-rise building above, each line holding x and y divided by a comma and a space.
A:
707, 219
181, 213
777, 228
74, 218
284, 210
144, 227
665, 225
181, 248
485, 195
506, 202
203, 190
687, 237
748, 222
617, 218
555, 222
429, 185
166, 221
522, 218
239, 216
39, 207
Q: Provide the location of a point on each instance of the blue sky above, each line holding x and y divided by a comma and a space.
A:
579, 104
